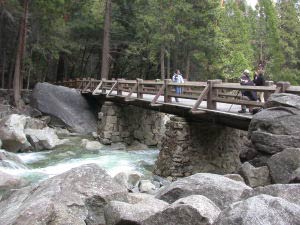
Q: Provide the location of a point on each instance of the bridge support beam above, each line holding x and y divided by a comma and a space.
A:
191, 147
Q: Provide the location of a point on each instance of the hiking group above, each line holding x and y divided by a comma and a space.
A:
258, 80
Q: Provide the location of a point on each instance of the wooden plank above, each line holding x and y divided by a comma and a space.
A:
159, 93
86, 87
133, 89
112, 88
200, 98
244, 87
97, 91
239, 102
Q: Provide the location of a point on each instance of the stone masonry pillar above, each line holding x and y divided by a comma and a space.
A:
190, 147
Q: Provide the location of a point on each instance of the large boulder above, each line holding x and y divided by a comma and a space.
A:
191, 210
289, 192
255, 177
278, 127
221, 190
125, 213
283, 165
12, 133
66, 104
75, 197
261, 209
43, 139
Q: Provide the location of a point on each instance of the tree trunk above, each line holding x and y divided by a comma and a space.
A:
3, 70
106, 41
162, 62
19, 58
169, 63
188, 66
60, 67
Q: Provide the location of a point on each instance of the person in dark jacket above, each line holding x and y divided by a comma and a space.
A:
247, 95
259, 80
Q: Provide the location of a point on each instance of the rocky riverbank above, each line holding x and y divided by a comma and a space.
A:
88, 195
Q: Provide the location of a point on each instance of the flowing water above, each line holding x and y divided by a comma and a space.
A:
45, 164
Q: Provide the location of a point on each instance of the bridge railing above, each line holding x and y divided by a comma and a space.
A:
212, 91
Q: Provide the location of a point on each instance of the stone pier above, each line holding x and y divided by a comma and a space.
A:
190, 147
124, 123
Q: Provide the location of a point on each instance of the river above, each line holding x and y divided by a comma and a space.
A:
45, 164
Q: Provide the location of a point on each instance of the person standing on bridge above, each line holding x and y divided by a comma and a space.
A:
178, 78
247, 95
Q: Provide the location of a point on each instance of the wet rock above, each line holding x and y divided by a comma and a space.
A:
75, 197
32, 123
146, 186
11, 160
289, 192
261, 209
255, 177
66, 104
282, 165
235, 177
125, 213
43, 139
8, 181
118, 146
221, 190
91, 145
12, 133
191, 210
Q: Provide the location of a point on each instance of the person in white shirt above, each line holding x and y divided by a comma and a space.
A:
178, 78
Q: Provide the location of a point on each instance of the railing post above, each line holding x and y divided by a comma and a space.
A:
282, 86
119, 86
103, 84
167, 99
139, 88
212, 93
267, 94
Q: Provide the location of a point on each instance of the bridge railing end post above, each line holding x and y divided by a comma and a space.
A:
212, 93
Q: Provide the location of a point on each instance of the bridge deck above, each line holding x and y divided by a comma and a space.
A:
212, 101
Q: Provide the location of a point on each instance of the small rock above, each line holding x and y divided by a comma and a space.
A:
118, 146
91, 145
235, 177
255, 177
124, 213
145, 186
191, 210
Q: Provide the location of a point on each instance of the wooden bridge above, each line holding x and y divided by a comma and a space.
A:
211, 101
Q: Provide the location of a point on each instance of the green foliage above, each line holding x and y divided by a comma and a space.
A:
65, 38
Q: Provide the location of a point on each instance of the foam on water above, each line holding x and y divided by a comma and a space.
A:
42, 165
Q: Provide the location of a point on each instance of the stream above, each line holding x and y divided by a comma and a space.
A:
45, 164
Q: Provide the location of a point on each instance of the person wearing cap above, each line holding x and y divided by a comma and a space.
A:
247, 95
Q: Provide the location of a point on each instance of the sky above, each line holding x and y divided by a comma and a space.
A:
252, 2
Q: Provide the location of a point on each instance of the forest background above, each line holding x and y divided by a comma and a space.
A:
205, 39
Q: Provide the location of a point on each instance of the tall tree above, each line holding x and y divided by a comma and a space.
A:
19, 57
106, 41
